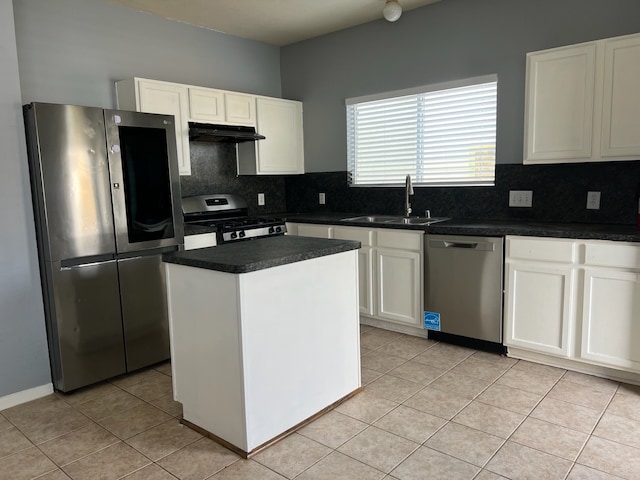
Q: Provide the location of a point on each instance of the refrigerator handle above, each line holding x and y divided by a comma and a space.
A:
85, 261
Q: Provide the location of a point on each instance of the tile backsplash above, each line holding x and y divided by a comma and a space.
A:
559, 191
559, 194
213, 170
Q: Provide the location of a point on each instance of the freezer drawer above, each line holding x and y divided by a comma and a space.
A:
85, 327
463, 283
144, 310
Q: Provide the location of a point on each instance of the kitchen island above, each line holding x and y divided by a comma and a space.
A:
264, 335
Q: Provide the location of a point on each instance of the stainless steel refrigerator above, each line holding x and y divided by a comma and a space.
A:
106, 197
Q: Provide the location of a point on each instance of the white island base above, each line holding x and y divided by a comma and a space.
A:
257, 355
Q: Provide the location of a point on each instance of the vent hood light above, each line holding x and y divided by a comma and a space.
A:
207, 132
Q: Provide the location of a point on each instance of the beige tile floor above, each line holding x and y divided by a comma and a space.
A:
429, 411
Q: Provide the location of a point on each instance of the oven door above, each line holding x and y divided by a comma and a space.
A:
145, 186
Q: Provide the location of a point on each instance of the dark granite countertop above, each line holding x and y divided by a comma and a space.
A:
490, 228
252, 255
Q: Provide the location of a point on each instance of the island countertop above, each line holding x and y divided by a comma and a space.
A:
253, 255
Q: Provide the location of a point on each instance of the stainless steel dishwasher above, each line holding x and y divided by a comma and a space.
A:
463, 284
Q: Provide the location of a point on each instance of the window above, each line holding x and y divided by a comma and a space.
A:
442, 135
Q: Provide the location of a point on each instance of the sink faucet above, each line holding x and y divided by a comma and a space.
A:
408, 190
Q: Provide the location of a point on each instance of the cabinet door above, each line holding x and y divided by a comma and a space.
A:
365, 264
240, 109
281, 122
206, 105
559, 104
169, 99
610, 326
399, 288
365, 280
539, 307
621, 100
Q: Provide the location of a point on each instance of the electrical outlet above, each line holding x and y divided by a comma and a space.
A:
322, 199
593, 200
261, 199
520, 198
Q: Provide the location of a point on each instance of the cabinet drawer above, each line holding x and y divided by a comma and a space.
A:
202, 240
309, 230
363, 235
612, 255
541, 249
400, 239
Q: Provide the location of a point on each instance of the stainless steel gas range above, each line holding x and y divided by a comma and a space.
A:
227, 215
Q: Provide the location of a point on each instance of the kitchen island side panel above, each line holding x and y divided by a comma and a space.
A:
205, 350
300, 341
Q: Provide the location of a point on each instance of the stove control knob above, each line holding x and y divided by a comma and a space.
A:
241, 234
234, 235
278, 229
271, 230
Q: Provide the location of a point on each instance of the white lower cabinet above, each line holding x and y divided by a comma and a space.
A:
365, 279
611, 305
399, 286
366, 237
575, 300
389, 266
318, 231
539, 311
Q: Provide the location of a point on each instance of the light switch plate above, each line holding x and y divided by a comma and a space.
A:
593, 200
261, 199
322, 198
520, 198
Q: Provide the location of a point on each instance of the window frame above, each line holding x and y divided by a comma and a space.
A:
478, 80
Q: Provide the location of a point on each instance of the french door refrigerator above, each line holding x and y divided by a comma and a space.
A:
106, 197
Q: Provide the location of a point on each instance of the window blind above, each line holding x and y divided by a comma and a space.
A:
443, 136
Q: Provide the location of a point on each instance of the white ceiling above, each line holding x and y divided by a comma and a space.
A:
277, 22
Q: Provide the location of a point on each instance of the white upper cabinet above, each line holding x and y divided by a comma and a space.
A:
166, 98
559, 108
582, 102
280, 121
621, 99
206, 105
282, 151
240, 109
209, 105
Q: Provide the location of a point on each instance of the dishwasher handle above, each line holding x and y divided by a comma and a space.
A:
483, 246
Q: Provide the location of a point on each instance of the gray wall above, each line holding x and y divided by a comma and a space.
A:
448, 40
23, 348
71, 51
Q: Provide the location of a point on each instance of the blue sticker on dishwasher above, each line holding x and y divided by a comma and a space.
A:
432, 321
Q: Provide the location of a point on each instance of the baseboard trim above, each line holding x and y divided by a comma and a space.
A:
25, 396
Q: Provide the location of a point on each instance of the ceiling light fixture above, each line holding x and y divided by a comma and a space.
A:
392, 10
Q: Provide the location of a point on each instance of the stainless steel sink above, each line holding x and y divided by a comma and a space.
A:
395, 220
370, 219
417, 220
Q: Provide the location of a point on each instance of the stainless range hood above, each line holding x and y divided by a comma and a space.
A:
207, 132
